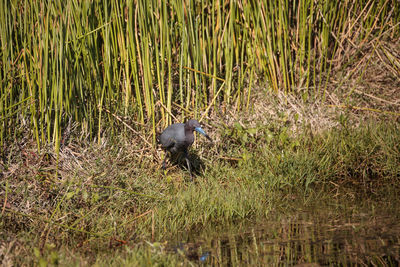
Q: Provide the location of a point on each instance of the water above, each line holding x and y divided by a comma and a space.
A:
324, 236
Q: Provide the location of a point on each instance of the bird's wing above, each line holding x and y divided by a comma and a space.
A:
166, 139
168, 142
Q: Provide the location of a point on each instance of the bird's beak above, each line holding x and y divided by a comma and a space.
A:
201, 131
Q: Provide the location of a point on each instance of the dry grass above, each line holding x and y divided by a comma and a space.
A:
99, 198
95, 197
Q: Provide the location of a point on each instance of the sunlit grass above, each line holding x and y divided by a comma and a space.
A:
121, 198
86, 86
154, 62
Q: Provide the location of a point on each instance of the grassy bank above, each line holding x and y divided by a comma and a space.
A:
301, 99
111, 196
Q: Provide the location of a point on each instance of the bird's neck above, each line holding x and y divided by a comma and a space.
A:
188, 129
189, 136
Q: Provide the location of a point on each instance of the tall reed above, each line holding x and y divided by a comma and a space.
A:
94, 61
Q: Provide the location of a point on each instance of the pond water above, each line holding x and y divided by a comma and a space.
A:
331, 235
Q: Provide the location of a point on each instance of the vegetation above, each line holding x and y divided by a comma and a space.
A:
96, 63
299, 97
100, 200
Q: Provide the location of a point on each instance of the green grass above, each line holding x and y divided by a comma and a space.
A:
85, 86
108, 193
95, 62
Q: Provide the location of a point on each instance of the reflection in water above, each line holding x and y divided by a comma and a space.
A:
310, 239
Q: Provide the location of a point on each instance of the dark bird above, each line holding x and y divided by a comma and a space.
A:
178, 137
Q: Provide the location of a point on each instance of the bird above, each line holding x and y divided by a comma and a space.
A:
178, 137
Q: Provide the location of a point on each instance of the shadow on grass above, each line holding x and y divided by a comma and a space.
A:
197, 164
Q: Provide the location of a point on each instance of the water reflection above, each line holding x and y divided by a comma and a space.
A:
307, 239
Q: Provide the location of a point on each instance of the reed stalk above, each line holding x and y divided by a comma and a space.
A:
63, 60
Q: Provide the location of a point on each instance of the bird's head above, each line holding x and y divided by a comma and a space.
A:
194, 125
